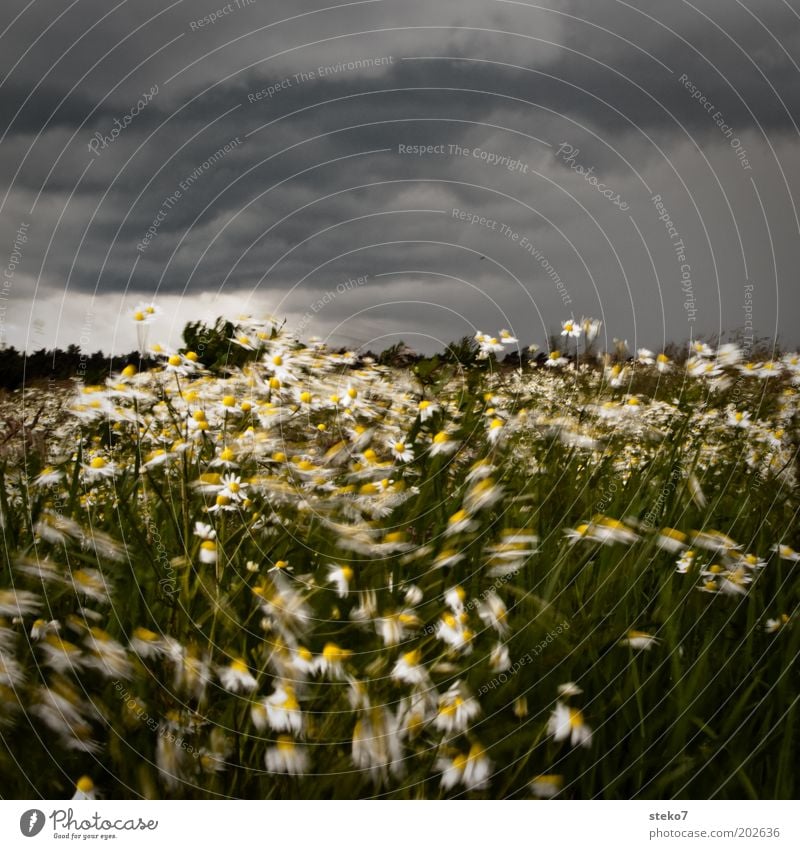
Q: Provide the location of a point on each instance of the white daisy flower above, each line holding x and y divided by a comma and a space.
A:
401, 451
340, 577
286, 756
567, 723
236, 677
639, 640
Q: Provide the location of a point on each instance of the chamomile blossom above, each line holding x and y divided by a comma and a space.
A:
487, 345
332, 660
547, 786
457, 709
555, 360
280, 711
84, 789
460, 522
786, 552
639, 640
590, 327
408, 669
739, 419
99, 468
145, 313
402, 451
287, 756
236, 677
427, 409
340, 577
772, 626
567, 723
685, 561
442, 444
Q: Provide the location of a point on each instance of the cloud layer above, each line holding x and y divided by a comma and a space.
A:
482, 164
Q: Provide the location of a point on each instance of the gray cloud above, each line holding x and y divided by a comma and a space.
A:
315, 189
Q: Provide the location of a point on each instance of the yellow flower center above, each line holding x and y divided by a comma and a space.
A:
85, 784
334, 654
575, 718
285, 744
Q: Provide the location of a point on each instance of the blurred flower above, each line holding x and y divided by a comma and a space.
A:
401, 451
340, 577
236, 677
567, 723
280, 710
457, 708
84, 788
145, 313
546, 786
286, 756
639, 640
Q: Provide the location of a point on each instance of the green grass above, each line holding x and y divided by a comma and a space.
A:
709, 710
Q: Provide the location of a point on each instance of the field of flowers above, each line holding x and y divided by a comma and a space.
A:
314, 576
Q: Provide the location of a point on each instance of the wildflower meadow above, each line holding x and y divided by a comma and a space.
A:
300, 572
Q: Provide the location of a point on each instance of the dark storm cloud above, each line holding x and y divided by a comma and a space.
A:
312, 176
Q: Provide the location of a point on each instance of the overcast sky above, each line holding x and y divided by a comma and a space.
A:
253, 157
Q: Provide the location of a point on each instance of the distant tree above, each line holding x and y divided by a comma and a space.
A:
464, 351
213, 345
399, 355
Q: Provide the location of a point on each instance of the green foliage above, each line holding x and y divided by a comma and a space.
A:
710, 708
